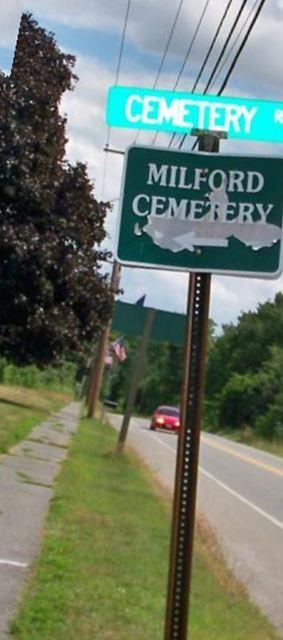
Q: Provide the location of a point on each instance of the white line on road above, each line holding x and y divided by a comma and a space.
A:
164, 443
13, 563
253, 506
250, 504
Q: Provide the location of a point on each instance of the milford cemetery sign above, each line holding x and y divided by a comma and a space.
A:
181, 112
201, 212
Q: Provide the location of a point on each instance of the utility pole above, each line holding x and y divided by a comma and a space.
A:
99, 360
183, 521
135, 378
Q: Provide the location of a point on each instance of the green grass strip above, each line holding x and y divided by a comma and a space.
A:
21, 409
103, 568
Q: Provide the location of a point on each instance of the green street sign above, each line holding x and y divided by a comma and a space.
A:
201, 212
181, 112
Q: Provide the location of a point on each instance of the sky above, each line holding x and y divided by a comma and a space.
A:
91, 30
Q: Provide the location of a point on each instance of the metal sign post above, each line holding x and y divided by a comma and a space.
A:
202, 213
181, 552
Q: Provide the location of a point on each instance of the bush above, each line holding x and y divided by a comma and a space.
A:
270, 425
240, 401
210, 419
60, 379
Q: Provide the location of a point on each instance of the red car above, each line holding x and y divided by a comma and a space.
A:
166, 418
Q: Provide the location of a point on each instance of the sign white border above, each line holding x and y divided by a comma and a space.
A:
148, 265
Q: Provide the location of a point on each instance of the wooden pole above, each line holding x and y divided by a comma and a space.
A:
135, 378
99, 361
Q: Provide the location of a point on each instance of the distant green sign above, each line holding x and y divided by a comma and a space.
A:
167, 326
181, 112
201, 212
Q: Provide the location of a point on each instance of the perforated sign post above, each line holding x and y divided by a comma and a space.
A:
201, 212
204, 213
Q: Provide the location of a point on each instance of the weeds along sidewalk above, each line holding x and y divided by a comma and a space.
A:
27, 475
102, 571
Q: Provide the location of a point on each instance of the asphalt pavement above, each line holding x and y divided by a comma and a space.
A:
240, 493
27, 476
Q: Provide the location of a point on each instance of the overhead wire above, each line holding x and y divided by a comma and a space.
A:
122, 42
207, 56
187, 55
218, 61
217, 68
239, 51
232, 66
244, 41
226, 43
116, 79
234, 44
166, 49
210, 49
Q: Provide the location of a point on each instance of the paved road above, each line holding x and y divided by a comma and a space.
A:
27, 475
240, 492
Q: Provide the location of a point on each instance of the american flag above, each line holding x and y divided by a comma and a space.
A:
118, 346
108, 360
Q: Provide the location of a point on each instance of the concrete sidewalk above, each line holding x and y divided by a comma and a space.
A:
27, 476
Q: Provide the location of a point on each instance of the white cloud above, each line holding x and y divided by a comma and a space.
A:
149, 24
258, 73
87, 131
74, 13
230, 296
10, 19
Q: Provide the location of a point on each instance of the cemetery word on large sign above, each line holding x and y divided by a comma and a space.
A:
201, 212
181, 112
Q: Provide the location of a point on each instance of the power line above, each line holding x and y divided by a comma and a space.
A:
231, 68
207, 55
191, 45
212, 75
234, 25
171, 33
122, 42
233, 46
168, 42
234, 60
184, 63
120, 55
225, 12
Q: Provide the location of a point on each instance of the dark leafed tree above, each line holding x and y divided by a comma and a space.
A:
53, 297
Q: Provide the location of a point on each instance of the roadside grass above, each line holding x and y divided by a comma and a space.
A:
247, 436
21, 409
102, 571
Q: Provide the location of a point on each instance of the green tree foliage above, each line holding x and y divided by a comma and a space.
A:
270, 422
162, 375
245, 372
161, 380
244, 347
240, 400
53, 297
61, 378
